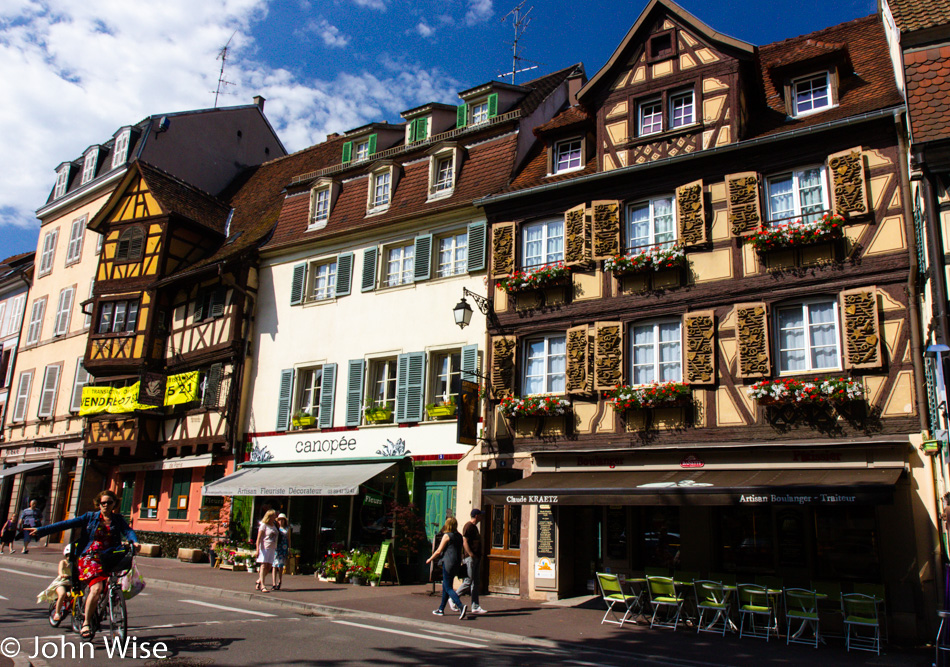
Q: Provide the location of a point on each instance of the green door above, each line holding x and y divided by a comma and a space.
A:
440, 504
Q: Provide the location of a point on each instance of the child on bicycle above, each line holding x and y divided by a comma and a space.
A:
60, 586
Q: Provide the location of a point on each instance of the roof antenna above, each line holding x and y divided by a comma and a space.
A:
223, 56
520, 22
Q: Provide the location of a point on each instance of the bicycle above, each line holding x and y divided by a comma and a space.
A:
111, 604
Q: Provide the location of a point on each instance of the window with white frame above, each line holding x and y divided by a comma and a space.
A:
657, 352
651, 223
400, 262
63, 311
446, 376
545, 364
797, 194
380, 189
62, 180
543, 243
323, 278
682, 109
444, 173
35, 328
808, 336
120, 148
362, 150
48, 391
453, 254
480, 113
80, 380
117, 316
48, 253
382, 387
320, 208
811, 93
568, 156
89, 163
650, 117
308, 391
22, 395
76, 233
15, 315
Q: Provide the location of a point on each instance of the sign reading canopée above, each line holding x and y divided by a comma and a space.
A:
181, 388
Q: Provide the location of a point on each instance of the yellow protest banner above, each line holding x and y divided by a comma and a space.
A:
181, 388
94, 400
126, 399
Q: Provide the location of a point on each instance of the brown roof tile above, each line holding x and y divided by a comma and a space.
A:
575, 115
928, 93
910, 15
176, 196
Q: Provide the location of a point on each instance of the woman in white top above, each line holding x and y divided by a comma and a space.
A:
266, 547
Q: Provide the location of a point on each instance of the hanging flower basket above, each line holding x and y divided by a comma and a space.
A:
660, 395
797, 233
548, 275
534, 406
654, 258
807, 392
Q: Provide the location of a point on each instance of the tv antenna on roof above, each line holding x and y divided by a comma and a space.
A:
520, 22
223, 57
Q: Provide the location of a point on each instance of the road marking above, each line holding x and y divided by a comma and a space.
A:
25, 574
234, 609
408, 634
3, 598
451, 634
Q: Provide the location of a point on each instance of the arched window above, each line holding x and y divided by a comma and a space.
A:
131, 242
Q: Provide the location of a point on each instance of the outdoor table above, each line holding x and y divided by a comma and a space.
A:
628, 584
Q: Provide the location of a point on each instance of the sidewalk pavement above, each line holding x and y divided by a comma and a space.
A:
573, 626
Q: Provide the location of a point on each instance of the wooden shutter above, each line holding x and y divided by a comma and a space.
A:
48, 392
470, 363
354, 392
203, 296
503, 366
371, 145
136, 243
284, 396
608, 355
476, 246
63, 311
296, 285
862, 334
493, 105
700, 334
461, 116
212, 391
503, 250
369, 270
577, 361
576, 237
347, 152
344, 273
22, 396
691, 214
849, 186
752, 336
410, 385
80, 381
327, 393
218, 297
422, 258
605, 221
743, 207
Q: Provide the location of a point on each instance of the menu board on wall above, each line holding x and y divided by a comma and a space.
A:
547, 538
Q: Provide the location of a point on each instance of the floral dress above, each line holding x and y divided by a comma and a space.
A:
283, 548
90, 563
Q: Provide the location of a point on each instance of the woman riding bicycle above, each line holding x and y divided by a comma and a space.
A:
100, 532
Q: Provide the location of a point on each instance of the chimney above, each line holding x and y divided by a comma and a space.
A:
259, 101
575, 81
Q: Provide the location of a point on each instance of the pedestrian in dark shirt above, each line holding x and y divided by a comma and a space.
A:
31, 517
472, 544
450, 548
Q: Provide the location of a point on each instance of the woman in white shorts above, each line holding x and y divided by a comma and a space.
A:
266, 547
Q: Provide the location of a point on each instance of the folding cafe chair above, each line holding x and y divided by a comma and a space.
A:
612, 592
663, 596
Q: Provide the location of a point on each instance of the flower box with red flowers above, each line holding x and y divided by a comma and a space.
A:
659, 395
791, 391
535, 278
534, 406
797, 233
648, 259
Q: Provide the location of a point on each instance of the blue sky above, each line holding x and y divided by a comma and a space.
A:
76, 71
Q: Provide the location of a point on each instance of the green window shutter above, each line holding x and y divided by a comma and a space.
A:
212, 386
410, 385
200, 305
218, 297
296, 285
470, 363
283, 399
152, 487
369, 270
344, 273
412, 130
493, 105
477, 232
327, 392
372, 145
461, 115
181, 486
347, 152
422, 260
354, 392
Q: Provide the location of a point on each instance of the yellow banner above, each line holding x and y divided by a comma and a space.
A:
94, 400
179, 389
126, 399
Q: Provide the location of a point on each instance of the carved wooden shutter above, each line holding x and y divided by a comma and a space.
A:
849, 187
576, 237
752, 336
691, 213
503, 366
862, 333
605, 222
577, 362
743, 207
608, 355
700, 328
503, 250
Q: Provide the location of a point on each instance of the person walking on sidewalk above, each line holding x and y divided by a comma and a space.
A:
266, 548
8, 534
283, 550
450, 548
472, 544
31, 517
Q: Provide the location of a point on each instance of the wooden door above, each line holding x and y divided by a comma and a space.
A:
440, 505
67, 497
504, 549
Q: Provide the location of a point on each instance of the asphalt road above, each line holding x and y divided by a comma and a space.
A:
215, 631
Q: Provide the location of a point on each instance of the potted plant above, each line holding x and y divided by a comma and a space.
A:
534, 278
303, 419
377, 413
443, 409
372, 578
334, 567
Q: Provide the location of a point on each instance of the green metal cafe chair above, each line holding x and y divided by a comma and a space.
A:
663, 596
861, 621
755, 604
612, 592
801, 609
712, 598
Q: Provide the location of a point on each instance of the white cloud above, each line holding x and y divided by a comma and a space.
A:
330, 34
424, 29
478, 11
372, 4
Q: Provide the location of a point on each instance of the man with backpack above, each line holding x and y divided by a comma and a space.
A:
472, 545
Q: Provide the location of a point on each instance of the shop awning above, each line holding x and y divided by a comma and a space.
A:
25, 467
840, 486
313, 480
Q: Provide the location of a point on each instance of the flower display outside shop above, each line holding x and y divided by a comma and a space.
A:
791, 391
334, 565
534, 406
660, 395
653, 258
534, 278
797, 233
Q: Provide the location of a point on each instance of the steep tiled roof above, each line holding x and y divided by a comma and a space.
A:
535, 171
575, 115
910, 15
16, 259
178, 197
807, 50
544, 86
928, 93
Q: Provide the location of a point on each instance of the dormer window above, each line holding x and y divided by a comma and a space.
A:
810, 94
62, 180
89, 165
121, 148
568, 156
359, 149
661, 46
443, 169
418, 130
382, 183
321, 205
323, 194
444, 172
362, 150
480, 111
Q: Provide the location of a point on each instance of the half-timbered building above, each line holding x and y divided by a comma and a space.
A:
705, 356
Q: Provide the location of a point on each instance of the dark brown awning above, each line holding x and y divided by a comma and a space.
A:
702, 487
